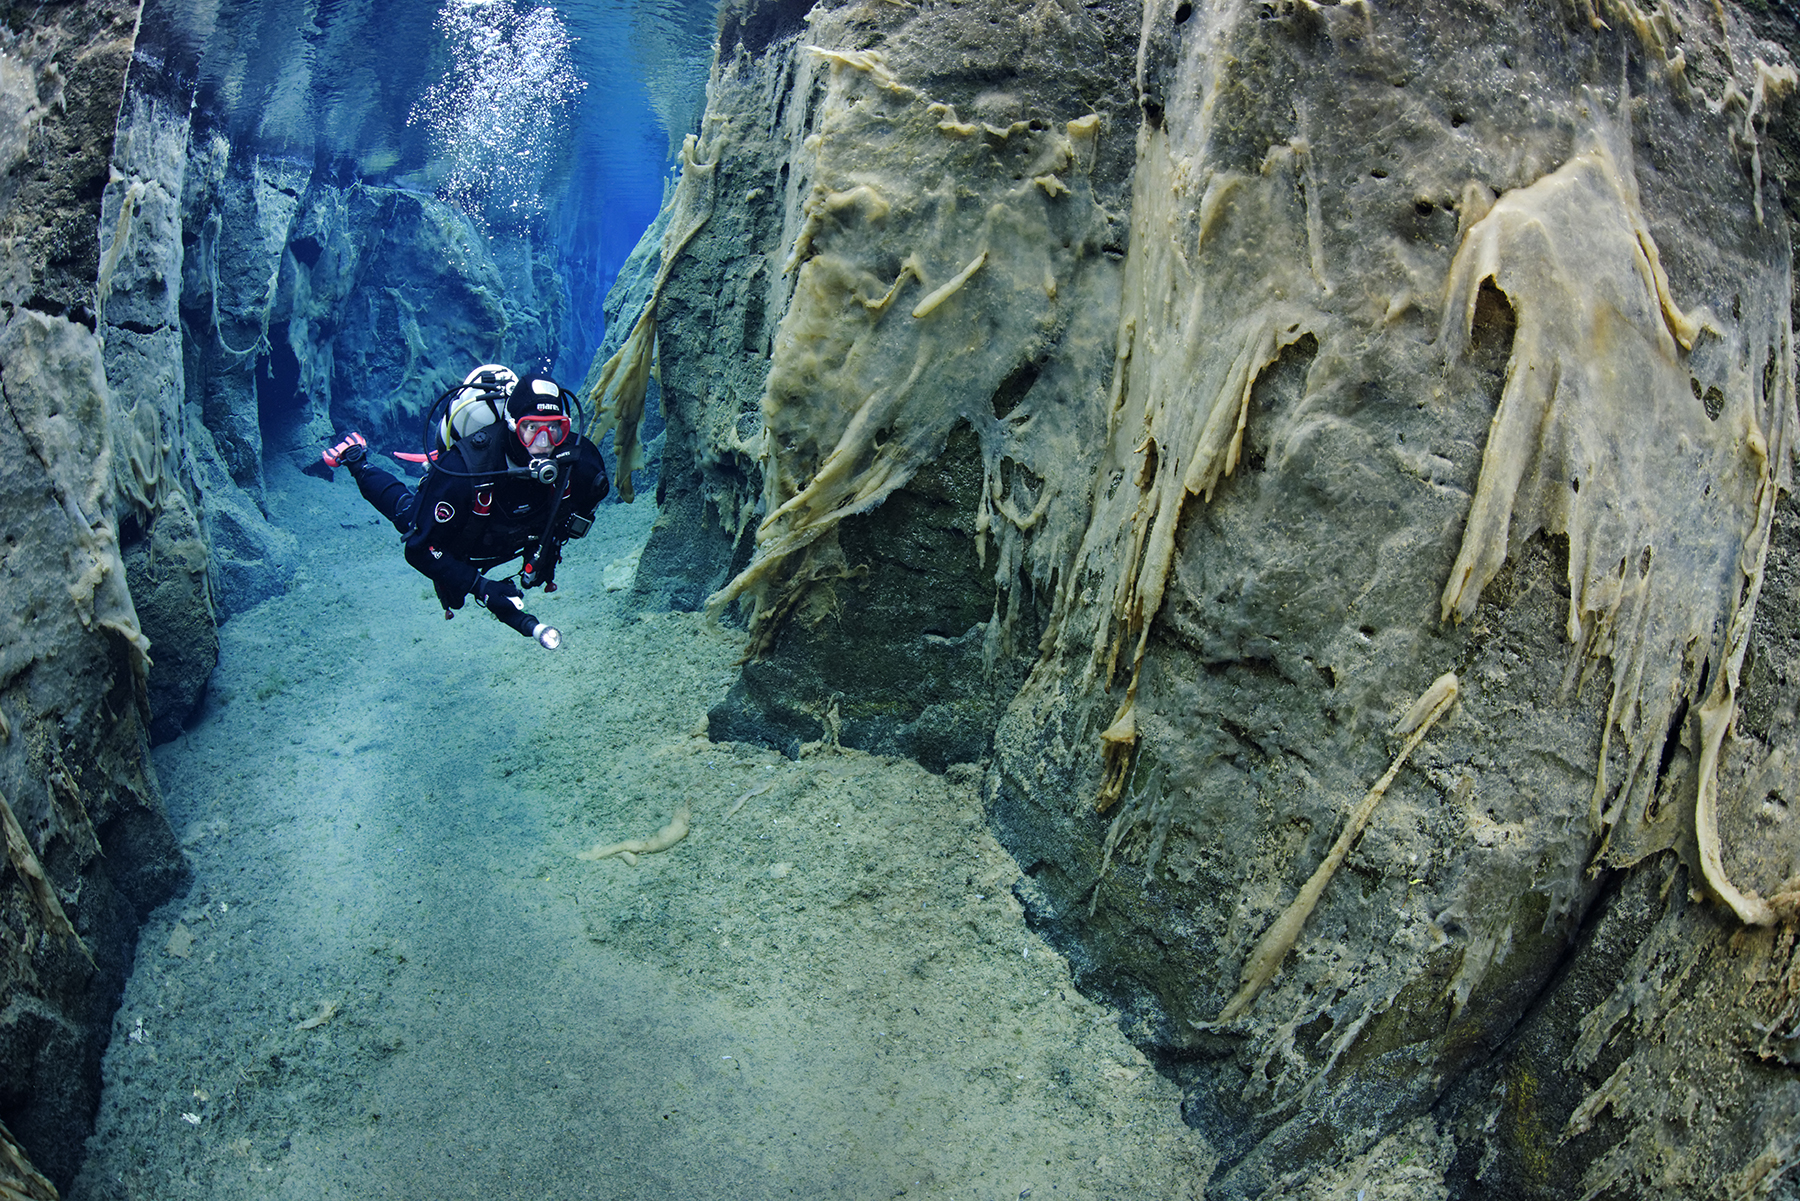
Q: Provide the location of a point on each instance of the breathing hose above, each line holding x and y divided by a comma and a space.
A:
534, 565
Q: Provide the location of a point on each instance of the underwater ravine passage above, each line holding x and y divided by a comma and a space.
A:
1238, 554
395, 975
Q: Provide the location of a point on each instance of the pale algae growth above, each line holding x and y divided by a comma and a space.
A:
1188, 359
931, 257
1278, 939
1602, 408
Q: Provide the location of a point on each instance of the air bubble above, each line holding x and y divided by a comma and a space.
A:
498, 117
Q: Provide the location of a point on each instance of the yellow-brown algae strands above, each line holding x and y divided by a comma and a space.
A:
25, 863
739, 803
1274, 945
631, 848
931, 302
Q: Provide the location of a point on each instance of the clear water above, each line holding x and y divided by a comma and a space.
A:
565, 123
393, 975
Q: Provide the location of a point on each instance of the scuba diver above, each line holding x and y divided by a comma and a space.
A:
507, 477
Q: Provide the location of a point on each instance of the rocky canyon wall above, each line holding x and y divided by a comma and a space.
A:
1331, 460
88, 850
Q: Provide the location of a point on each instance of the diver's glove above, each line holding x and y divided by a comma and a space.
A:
493, 594
348, 453
351, 453
504, 600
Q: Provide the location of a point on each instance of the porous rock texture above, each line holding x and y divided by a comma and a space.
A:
88, 849
1171, 395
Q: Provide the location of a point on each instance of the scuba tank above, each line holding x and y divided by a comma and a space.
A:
477, 402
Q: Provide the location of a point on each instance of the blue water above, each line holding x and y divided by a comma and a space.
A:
621, 152
335, 81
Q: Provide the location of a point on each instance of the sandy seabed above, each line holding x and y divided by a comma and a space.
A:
393, 977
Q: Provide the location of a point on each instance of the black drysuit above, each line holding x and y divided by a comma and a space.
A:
469, 515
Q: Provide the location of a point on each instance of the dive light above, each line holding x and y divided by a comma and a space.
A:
547, 636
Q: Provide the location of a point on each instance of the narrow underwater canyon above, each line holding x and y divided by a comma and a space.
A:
1167, 428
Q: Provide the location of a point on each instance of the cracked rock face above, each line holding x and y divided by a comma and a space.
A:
88, 847
918, 226
1151, 400
1345, 346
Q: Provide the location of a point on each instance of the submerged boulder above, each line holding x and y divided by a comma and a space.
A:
166, 569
